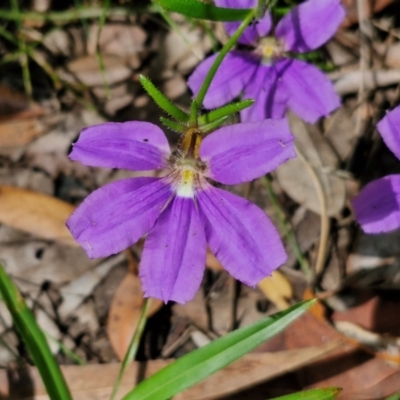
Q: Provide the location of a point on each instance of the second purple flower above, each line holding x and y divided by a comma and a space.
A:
266, 74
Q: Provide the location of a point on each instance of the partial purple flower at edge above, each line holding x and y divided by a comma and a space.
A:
182, 212
266, 75
377, 206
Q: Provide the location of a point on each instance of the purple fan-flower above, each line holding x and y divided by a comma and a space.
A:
266, 73
377, 206
182, 212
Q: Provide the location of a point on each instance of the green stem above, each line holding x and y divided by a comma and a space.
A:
133, 346
287, 229
23, 58
224, 51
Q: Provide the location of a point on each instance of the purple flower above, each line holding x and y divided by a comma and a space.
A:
265, 74
182, 212
377, 206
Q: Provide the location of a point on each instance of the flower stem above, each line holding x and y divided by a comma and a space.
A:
133, 346
224, 51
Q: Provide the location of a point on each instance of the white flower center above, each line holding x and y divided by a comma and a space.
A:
185, 186
269, 48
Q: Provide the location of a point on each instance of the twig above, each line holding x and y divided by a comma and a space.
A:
325, 221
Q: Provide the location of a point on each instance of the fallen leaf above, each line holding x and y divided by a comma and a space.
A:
118, 39
18, 132
86, 70
35, 213
349, 366
349, 82
370, 8
294, 176
277, 289
212, 262
12, 102
125, 311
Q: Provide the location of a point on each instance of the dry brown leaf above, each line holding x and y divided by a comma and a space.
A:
95, 382
86, 70
370, 7
125, 311
12, 102
18, 132
349, 367
212, 262
35, 213
295, 179
277, 289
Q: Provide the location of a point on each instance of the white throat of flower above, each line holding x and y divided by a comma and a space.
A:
268, 49
186, 183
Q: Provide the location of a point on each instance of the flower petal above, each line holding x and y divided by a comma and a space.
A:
311, 94
132, 145
259, 29
270, 95
310, 24
232, 76
174, 254
242, 152
377, 206
240, 235
117, 215
389, 128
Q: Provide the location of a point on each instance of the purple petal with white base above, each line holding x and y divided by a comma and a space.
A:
269, 93
377, 206
389, 128
117, 215
242, 152
240, 235
310, 25
235, 71
132, 145
174, 254
312, 95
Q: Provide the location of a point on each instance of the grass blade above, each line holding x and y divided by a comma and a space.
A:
34, 339
203, 362
314, 394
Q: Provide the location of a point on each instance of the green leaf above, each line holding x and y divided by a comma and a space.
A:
213, 125
314, 394
34, 339
224, 111
202, 10
175, 126
162, 101
203, 362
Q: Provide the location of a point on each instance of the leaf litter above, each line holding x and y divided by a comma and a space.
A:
91, 306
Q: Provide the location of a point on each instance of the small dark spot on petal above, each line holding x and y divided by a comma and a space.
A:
145, 140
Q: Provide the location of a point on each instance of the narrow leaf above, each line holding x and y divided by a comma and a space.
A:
34, 339
175, 126
314, 394
224, 111
213, 125
202, 10
162, 101
203, 362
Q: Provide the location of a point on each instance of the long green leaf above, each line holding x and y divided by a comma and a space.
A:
34, 339
314, 394
202, 10
203, 362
